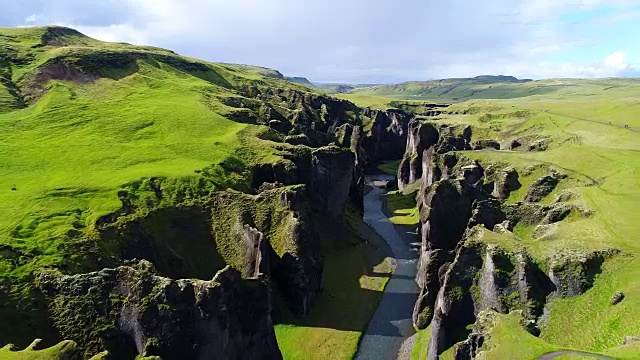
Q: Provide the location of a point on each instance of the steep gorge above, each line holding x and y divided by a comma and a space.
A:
470, 260
241, 237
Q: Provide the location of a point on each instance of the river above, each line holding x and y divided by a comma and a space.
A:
391, 323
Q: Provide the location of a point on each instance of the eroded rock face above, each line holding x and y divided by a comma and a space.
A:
332, 171
454, 307
541, 188
387, 138
486, 144
484, 278
468, 349
256, 255
426, 141
445, 209
421, 137
131, 311
505, 182
573, 274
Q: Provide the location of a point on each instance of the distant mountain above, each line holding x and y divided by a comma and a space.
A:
329, 88
455, 89
300, 80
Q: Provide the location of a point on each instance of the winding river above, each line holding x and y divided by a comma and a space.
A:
391, 323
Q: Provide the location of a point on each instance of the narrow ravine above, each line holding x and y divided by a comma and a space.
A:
391, 323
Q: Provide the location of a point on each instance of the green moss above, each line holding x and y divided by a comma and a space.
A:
403, 208
65, 350
390, 167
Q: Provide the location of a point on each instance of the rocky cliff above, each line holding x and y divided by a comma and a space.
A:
425, 140
462, 269
130, 311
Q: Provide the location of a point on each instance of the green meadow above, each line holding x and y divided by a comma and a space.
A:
584, 123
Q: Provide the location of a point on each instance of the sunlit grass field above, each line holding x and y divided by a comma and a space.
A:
585, 120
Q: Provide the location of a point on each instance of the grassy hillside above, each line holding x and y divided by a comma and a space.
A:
84, 122
458, 90
583, 123
64, 158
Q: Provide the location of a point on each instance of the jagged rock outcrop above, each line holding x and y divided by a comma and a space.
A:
454, 307
454, 138
424, 143
542, 187
574, 273
484, 278
539, 145
445, 209
130, 311
486, 144
351, 137
505, 181
421, 137
332, 171
256, 254
284, 217
514, 144
617, 298
269, 233
387, 137
468, 349
525, 213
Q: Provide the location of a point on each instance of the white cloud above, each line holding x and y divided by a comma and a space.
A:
344, 40
616, 61
31, 19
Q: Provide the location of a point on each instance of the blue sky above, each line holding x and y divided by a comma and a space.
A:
368, 41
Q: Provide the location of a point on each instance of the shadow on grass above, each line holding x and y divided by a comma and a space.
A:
353, 281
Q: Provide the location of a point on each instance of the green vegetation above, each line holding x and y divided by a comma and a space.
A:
375, 102
581, 126
93, 131
390, 167
64, 159
403, 208
341, 315
353, 280
63, 350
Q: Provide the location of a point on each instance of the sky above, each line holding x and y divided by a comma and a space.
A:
368, 41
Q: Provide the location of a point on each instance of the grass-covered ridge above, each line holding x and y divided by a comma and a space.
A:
587, 131
100, 140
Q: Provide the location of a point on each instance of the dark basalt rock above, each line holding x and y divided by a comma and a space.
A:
445, 210
525, 213
472, 174
454, 138
558, 213
514, 144
299, 139
332, 171
541, 188
486, 212
387, 138
484, 278
539, 145
468, 349
573, 274
486, 144
454, 307
431, 268
131, 311
505, 182
617, 298
426, 153
421, 137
